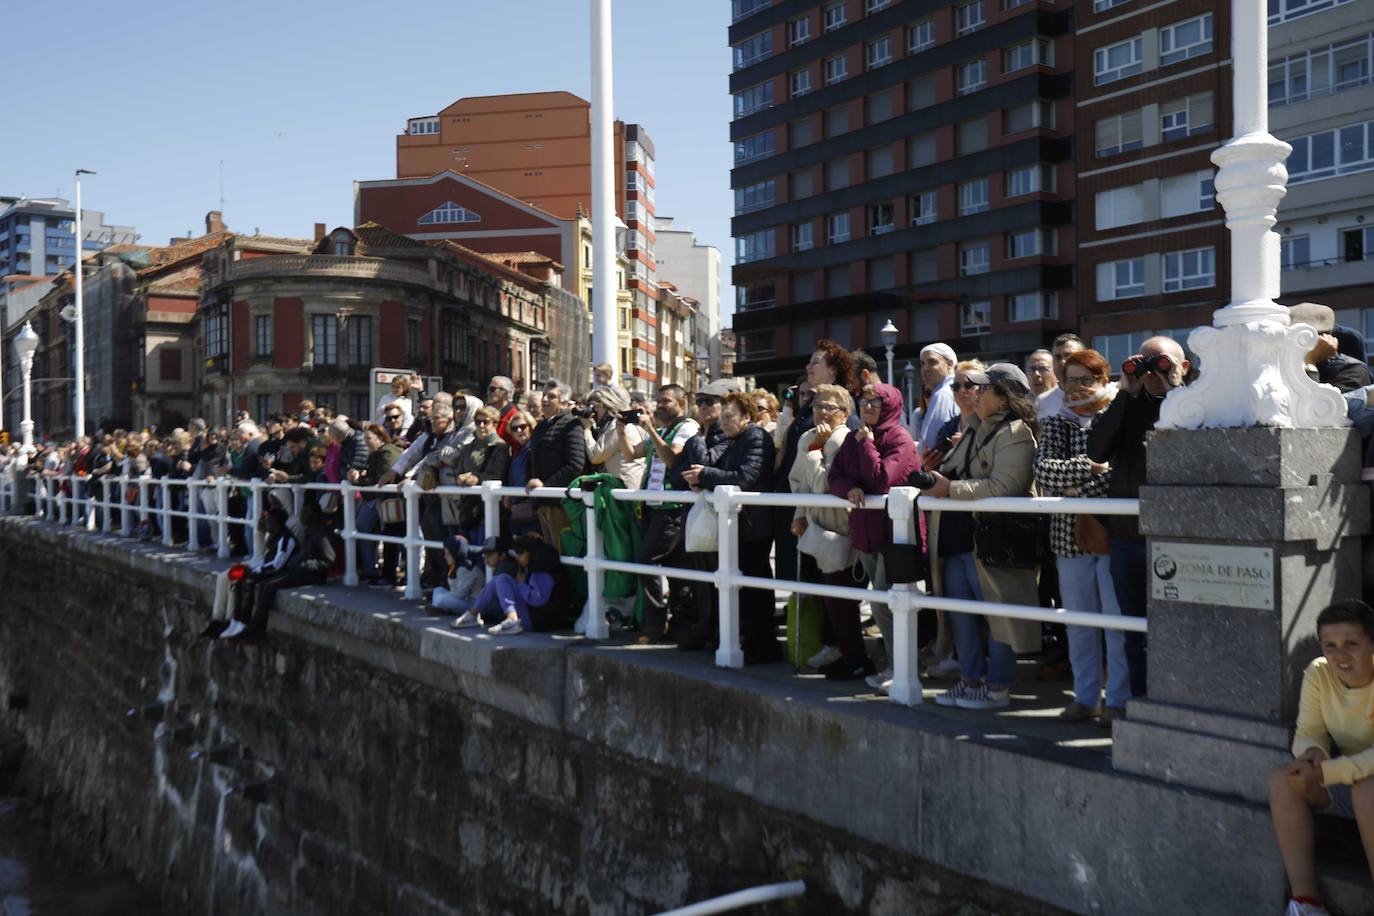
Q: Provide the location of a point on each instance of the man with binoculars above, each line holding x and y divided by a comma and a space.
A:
1117, 443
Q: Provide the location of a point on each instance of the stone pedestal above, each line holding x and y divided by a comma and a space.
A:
1232, 630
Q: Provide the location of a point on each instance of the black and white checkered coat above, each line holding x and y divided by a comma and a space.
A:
1061, 462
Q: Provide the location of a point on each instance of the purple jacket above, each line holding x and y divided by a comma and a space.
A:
875, 465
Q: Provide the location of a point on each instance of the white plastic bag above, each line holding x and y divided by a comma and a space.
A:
702, 534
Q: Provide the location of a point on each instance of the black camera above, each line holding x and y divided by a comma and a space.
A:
921, 480
631, 417
585, 412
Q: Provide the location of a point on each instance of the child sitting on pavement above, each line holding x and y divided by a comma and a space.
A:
525, 598
1334, 746
465, 578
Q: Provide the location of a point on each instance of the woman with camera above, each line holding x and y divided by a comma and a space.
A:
610, 406
993, 459
1081, 552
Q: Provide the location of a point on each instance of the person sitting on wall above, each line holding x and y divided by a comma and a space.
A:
1334, 746
279, 549
534, 597
319, 551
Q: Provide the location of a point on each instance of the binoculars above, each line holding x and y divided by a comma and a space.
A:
1141, 365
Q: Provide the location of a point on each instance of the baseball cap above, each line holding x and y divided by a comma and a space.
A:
1008, 375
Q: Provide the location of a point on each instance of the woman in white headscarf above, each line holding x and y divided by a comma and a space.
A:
464, 412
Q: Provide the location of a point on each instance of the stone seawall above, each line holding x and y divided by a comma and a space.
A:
367, 760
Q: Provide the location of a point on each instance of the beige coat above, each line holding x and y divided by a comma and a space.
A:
1002, 466
811, 474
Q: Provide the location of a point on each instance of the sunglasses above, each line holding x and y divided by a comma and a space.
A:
519, 427
481, 421
871, 402
707, 402
495, 388
967, 386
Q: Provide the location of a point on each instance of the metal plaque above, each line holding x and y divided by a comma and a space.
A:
1212, 574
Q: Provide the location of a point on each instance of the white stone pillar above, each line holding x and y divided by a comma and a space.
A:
604, 336
1252, 357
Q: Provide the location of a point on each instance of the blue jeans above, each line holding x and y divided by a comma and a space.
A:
1129, 577
1085, 584
368, 522
998, 665
499, 598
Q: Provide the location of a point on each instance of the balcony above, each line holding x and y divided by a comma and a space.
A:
320, 265
1332, 273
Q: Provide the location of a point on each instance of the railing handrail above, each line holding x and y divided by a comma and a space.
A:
71, 500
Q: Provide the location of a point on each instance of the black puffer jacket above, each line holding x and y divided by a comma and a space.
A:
1118, 438
558, 451
747, 463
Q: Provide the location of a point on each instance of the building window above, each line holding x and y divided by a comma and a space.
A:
1031, 115
324, 332
969, 17
1284, 10
833, 16
1357, 244
1184, 117
1122, 206
420, 126
1013, 4
1182, 40
1100, 6
1121, 279
169, 364
921, 150
1028, 54
975, 317
920, 37
1295, 251
874, 5
879, 107
1119, 134
413, 341
971, 136
881, 219
973, 258
803, 184
753, 49
836, 69
923, 208
799, 31
971, 75
1033, 306
1189, 269
800, 82
754, 197
1184, 194
837, 228
449, 212
1322, 71
1117, 61
920, 92
801, 237
359, 332
755, 147
754, 246
755, 98
1117, 348
262, 335
836, 121
1030, 243
878, 53
1341, 151
836, 174
879, 162
882, 273
973, 197
357, 406
1030, 179
838, 282
264, 405
217, 333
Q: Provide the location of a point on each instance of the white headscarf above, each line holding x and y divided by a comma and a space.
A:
467, 432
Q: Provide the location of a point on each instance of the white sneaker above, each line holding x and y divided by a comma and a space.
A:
953, 695
880, 681
824, 657
235, 628
508, 627
982, 697
469, 619
946, 667
1304, 909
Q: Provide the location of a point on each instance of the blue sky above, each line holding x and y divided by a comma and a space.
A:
299, 100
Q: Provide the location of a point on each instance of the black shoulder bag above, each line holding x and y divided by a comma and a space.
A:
1011, 540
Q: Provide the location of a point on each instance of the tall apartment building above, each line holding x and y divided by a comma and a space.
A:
1321, 100
694, 269
905, 161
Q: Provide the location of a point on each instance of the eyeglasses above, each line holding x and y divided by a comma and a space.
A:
707, 402
481, 421
827, 406
1081, 381
967, 386
871, 402
518, 427
1038, 369
495, 388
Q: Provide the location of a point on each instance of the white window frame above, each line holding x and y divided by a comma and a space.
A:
755, 48
925, 208
974, 197
877, 224
1030, 53
1172, 53
1101, 6
1340, 141
878, 53
755, 246
1304, 69
833, 17
1104, 73
1182, 120
769, 147
799, 81
754, 98
837, 228
1287, 244
1122, 145
970, 17
798, 31
975, 258
920, 37
802, 237
1204, 269
873, 6
836, 69
1288, 10
1134, 285
1034, 305
1108, 214
980, 307
970, 75
1025, 243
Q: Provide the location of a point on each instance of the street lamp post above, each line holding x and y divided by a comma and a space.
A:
889, 332
911, 400
25, 343
605, 339
78, 323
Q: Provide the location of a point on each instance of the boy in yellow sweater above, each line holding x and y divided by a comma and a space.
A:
1334, 746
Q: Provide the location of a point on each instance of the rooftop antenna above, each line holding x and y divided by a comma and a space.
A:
221, 187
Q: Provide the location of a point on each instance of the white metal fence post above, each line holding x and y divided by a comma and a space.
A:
729, 655
165, 497
126, 515
411, 492
906, 674
222, 518
349, 533
255, 518
105, 521
142, 500
193, 495
597, 627
491, 515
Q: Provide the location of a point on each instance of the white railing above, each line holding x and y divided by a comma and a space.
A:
69, 500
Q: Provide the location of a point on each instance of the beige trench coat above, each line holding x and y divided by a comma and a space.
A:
1002, 466
811, 474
